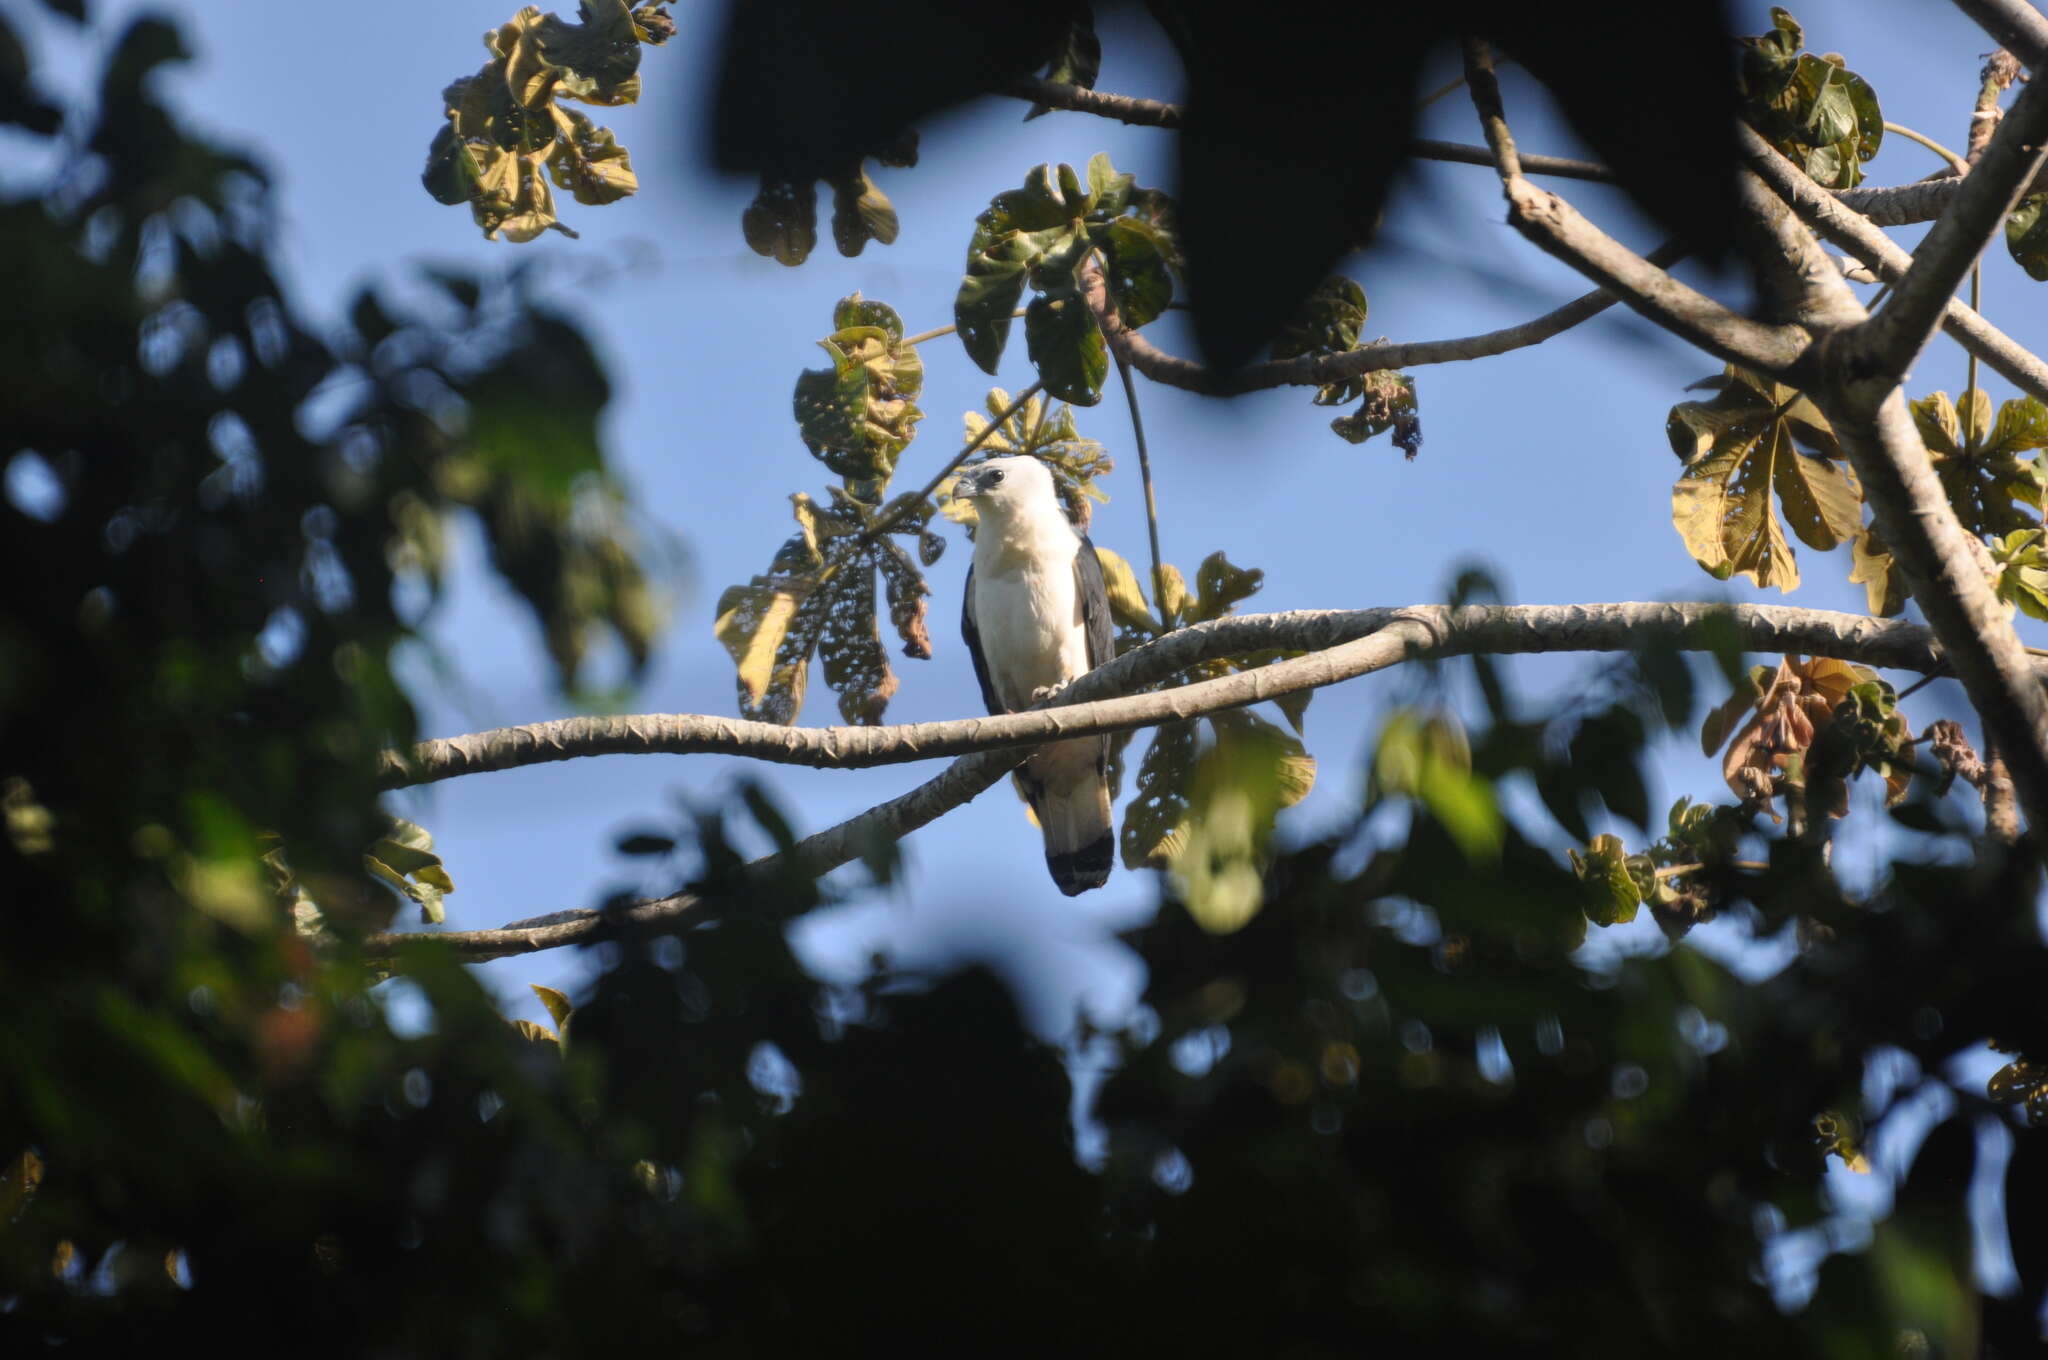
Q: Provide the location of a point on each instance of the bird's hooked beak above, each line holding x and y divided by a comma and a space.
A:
969, 484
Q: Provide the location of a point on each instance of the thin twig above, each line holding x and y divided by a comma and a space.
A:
1123, 372
1171, 370
906, 505
1957, 163
937, 331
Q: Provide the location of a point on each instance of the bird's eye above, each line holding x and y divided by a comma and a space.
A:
995, 476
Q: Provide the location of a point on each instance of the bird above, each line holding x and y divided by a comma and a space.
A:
1035, 617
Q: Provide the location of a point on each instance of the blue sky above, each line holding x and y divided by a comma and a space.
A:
1548, 466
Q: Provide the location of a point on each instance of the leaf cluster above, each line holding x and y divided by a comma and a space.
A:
782, 221
509, 133
1803, 729
1034, 430
1045, 235
817, 598
1820, 114
1329, 323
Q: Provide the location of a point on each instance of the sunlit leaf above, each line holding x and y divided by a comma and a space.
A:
859, 415
558, 1005
1738, 451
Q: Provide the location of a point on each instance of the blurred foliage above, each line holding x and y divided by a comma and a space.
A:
508, 132
1046, 234
1814, 109
1378, 1097
1208, 789
1278, 104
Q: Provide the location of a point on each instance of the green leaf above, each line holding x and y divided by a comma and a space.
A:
860, 213
1066, 345
1139, 281
589, 162
1428, 758
1038, 430
858, 416
782, 221
1611, 891
1820, 114
1219, 587
1109, 189
558, 1005
1328, 322
2026, 235
1239, 785
404, 858
1976, 454
818, 599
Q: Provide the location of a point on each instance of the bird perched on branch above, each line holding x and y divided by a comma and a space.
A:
1036, 617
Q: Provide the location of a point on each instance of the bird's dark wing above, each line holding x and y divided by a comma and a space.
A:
1094, 606
972, 635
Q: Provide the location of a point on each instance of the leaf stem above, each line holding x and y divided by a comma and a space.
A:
938, 331
1123, 373
1749, 865
1957, 163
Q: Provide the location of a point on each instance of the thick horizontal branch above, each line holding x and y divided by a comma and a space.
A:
1343, 644
1171, 370
1503, 629
1889, 260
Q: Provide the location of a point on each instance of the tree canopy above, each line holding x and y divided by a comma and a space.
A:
1379, 1090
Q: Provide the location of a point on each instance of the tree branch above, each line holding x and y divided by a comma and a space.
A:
1911, 511
1558, 229
1345, 644
1310, 370
1832, 218
1888, 345
2019, 27
1502, 629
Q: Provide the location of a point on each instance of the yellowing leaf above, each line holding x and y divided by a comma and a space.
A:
1739, 450
558, 1004
1126, 599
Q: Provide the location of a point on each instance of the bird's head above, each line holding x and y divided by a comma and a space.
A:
1008, 487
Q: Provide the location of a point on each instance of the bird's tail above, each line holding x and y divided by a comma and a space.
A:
1074, 815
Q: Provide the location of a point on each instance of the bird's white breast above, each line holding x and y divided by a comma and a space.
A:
1027, 608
